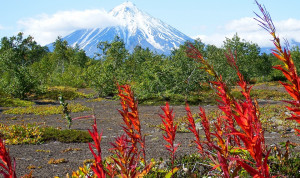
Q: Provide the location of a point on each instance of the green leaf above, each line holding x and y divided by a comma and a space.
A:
170, 173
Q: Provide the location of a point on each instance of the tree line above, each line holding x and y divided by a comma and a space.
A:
28, 68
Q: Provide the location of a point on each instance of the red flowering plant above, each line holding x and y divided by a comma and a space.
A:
128, 147
238, 129
288, 68
8, 169
125, 148
98, 167
125, 156
170, 131
131, 119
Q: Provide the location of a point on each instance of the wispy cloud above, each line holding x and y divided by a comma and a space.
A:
45, 28
247, 28
1, 27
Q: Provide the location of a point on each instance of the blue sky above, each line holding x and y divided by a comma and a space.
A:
210, 20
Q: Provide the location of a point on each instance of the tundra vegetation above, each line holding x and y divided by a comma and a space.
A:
233, 143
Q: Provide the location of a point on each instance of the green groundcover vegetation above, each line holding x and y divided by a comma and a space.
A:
28, 70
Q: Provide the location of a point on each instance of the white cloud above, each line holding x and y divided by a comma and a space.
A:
1, 27
247, 28
45, 28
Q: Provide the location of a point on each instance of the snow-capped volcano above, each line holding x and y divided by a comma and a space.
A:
135, 27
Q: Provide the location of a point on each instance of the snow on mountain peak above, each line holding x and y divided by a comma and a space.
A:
135, 28
136, 20
129, 15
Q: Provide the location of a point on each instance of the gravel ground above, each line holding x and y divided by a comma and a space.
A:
108, 121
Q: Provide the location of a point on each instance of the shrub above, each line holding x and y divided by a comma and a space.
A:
21, 133
14, 102
69, 93
35, 134
65, 136
46, 110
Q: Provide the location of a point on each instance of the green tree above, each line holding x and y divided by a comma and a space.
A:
185, 75
16, 56
110, 69
79, 57
295, 52
248, 56
68, 65
26, 50
60, 54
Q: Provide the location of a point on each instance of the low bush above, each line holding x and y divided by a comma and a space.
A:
21, 134
46, 110
65, 136
14, 102
35, 134
69, 93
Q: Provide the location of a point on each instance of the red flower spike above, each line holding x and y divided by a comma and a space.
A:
224, 165
170, 131
192, 128
131, 119
9, 169
241, 124
126, 156
288, 68
97, 168
205, 124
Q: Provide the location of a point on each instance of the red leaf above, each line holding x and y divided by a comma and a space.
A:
249, 169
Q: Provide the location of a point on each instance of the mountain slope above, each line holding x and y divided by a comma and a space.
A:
135, 28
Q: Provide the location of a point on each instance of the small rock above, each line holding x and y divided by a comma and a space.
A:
198, 126
162, 165
278, 122
288, 114
280, 128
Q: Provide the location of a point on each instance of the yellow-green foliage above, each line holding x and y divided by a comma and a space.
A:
14, 102
57, 161
273, 118
21, 134
43, 151
83, 171
271, 83
270, 95
68, 93
46, 110
264, 94
95, 100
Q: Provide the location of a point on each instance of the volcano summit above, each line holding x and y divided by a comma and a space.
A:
135, 27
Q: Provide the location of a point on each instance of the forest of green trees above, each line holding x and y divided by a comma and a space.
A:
27, 68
